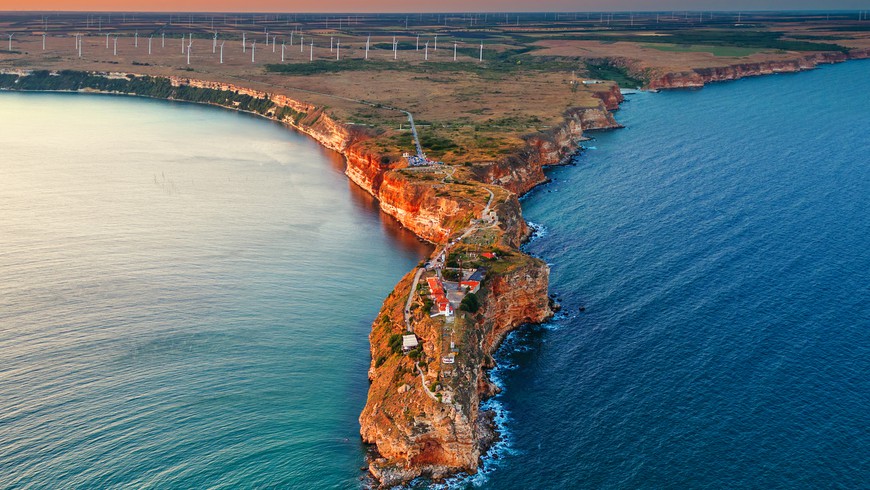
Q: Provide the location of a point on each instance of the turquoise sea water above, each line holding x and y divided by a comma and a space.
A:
720, 246
185, 298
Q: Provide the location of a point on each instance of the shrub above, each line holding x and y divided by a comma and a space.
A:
470, 303
395, 343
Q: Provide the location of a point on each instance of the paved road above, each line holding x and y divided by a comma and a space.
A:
408, 325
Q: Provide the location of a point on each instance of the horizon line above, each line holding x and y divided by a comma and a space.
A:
398, 12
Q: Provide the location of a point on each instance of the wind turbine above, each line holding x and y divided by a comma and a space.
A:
115, 51
395, 48
418, 42
162, 39
331, 49
214, 40
481, 50
79, 43
107, 40
273, 42
454, 50
253, 50
338, 50
368, 40
435, 48
426, 55
311, 54
244, 46
222, 52
282, 51
149, 44
302, 43
43, 41
10, 41
291, 36
189, 45
136, 39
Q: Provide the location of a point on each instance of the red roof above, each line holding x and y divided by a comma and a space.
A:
435, 285
488, 255
470, 284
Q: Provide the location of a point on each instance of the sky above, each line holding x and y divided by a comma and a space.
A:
431, 6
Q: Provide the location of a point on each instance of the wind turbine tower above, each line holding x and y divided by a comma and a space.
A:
115, 49
136, 39
244, 46
454, 50
338, 50
43, 41
435, 48
149, 44
189, 45
282, 51
368, 40
481, 51
214, 42
253, 50
10, 41
107, 40
222, 52
426, 52
311, 53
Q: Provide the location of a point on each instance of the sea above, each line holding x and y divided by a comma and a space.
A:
186, 293
712, 260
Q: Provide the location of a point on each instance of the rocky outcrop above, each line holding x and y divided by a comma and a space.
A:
422, 208
698, 77
524, 169
416, 434
611, 97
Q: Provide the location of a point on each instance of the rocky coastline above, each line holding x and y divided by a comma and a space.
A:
413, 433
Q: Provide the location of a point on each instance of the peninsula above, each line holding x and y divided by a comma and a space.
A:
446, 120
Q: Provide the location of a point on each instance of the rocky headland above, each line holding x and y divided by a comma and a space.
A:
423, 416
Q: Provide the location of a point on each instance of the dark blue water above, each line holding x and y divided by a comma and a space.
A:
721, 247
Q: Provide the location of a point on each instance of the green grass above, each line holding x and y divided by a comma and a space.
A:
607, 71
730, 51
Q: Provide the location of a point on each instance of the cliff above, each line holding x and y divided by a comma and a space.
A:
522, 170
418, 433
698, 77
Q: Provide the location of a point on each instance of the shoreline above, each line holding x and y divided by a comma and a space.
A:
498, 339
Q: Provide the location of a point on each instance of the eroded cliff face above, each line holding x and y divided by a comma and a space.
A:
415, 433
422, 208
698, 77
524, 169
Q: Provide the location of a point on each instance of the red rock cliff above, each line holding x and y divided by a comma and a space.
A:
698, 77
524, 169
416, 434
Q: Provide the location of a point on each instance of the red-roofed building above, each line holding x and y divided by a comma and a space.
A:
435, 286
473, 286
443, 304
488, 255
